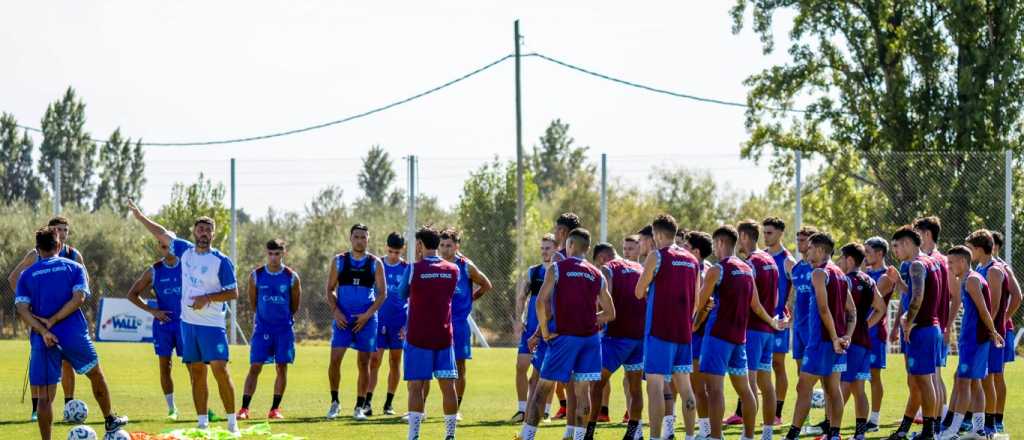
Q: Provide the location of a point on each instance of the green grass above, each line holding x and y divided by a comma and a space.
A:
131, 372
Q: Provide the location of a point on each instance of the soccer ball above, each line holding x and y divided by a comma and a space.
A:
75, 411
120, 434
818, 398
82, 432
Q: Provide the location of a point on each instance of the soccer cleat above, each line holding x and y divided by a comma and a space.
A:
811, 430
918, 420
233, 428
547, 418
332, 412
518, 417
405, 417
966, 426
35, 416
115, 422
368, 410
871, 427
897, 436
388, 410
999, 427
275, 414
458, 416
733, 420
243, 414
603, 418
949, 434
358, 414
172, 415
971, 435
560, 414
213, 416
450, 437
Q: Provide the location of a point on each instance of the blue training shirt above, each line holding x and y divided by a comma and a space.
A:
167, 288
801, 279
274, 296
395, 310
47, 286
783, 293
536, 273
357, 296
462, 302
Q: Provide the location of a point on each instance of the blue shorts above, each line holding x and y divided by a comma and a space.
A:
572, 357
365, 340
424, 364
622, 352
666, 358
461, 339
167, 338
389, 336
781, 341
879, 349
1009, 349
759, 350
858, 364
996, 361
943, 353
718, 357
45, 363
924, 350
272, 345
820, 359
799, 344
524, 340
696, 341
538, 355
973, 363
203, 343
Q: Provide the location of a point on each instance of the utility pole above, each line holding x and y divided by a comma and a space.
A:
520, 188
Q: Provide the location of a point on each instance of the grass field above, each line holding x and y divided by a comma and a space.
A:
131, 371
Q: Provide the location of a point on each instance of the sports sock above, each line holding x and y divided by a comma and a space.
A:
414, 425
668, 426
204, 421
35, 404
277, 401
861, 427
369, 399
569, 430
388, 399
990, 421
794, 433
68, 399
589, 431
928, 427
246, 400
873, 418
778, 408
704, 427
905, 425
958, 419
947, 419
978, 422
739, 408
360, 401
767, 431
579, 433
527, 433
562, 403
169, 398
334, 396
449, 425
631, 428
999, 418
522, 406
833, 432
547, 409
460, 401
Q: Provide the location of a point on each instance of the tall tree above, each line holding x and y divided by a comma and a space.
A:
18, 182
377, 175
65, 138
887, 85
122, 173
191, 201
556, 160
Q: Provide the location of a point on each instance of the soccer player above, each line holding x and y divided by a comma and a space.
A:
573, 303
274, 292
622, 343
999, 288
920, 324
773, 229
526, 303
800, 305
462, 304
671, 276
390, 326
1009, 350
631, 247
760, 334
357, 288
978, 335
929, 229
564, 224
164, 278
48, 298
831, 322
63, 228
647, 244
207, 284
870, 310
430, 286
731, 281
876, 249
699, 244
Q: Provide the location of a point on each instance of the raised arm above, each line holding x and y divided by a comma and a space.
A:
159, 232
481, 280
650, 265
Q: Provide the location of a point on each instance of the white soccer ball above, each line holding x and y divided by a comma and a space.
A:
76, 411
82, 432
818, 398
120, 434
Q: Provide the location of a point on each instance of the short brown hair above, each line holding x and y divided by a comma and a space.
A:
853, 250
206, 221
46, 239
906, 231
582, 235
276, 244
550, 238
632, 238
807, 231
700, 241
58, 220
727, 232
665, 223
774, 222
749, 227
824, 240
981, 238
961, 251
450, 233
931, 224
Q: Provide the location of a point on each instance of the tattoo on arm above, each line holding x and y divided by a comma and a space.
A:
917, 276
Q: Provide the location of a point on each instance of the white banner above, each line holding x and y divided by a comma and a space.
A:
119, 320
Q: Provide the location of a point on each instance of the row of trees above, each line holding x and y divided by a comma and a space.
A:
93, 174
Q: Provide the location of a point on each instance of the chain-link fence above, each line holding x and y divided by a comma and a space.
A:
854, 198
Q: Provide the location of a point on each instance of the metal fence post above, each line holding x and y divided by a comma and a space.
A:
1008, 210
798, 193
410, 233
604, 197
234, 252
56, 187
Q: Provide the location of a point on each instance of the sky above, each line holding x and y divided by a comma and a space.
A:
193, 71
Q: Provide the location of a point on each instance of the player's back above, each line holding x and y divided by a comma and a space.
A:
780, 258
801, 278
47, 285
1000, 317
862, 289
836, 287
929, 311
432, 283
577, 286
971, 327
733, 293
766, 278
942, 264
630, 311
671, 295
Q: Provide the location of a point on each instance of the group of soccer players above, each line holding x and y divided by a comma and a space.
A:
667, 316
676, 323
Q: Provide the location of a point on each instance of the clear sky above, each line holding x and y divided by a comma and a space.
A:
199, 70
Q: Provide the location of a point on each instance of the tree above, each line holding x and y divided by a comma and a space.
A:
65, 138
557, 161
886, 86
692, 197
17, 180
377, 175
189, 202
122, 173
